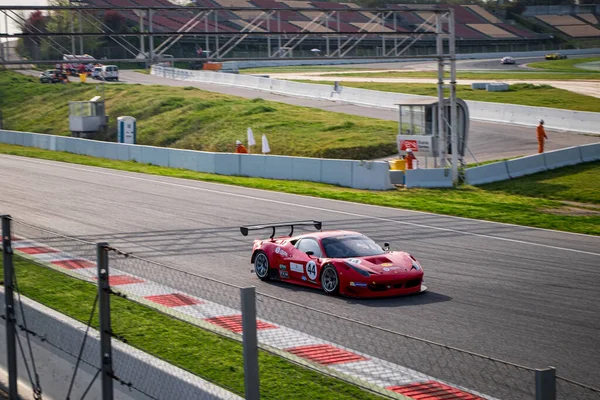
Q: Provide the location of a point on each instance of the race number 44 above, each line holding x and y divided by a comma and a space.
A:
311, 270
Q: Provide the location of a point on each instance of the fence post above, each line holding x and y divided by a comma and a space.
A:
9, 307
251, 376
104, 315
545, 384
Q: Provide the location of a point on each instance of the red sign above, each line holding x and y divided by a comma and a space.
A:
409, 144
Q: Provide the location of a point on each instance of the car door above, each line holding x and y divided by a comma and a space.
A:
305, 268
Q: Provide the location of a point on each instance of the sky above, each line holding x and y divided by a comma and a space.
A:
11, 26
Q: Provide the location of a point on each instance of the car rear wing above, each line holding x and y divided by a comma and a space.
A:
245, 229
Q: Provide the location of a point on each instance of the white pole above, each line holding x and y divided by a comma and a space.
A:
453, 116
441, 111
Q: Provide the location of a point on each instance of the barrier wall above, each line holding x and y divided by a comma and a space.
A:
504, 170
562, 158
428, 178
130, 364
575, 121
526, 165
487, 173
590, 152
349, 173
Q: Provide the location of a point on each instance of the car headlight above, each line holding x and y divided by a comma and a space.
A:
359, 270
415, 265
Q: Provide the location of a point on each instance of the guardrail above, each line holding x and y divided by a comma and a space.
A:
517, 167
371, 175
575, 121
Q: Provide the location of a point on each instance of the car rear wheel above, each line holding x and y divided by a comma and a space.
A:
261, 266
330, 281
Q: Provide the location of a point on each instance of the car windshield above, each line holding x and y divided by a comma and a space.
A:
350, 246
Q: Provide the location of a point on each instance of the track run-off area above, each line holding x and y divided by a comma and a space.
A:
487, 140
524, 295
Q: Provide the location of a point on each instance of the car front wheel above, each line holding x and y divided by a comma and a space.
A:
261, 266
330, 281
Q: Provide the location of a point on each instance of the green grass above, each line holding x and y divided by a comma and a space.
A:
189, 118
496, 75
521, 93
497, 202
215, 358
576, 74
568, 65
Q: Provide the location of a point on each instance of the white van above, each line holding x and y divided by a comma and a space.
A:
110, 73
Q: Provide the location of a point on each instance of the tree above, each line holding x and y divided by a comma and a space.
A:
35, 23
115, 21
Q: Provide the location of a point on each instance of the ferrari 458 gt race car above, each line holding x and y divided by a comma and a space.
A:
344, 262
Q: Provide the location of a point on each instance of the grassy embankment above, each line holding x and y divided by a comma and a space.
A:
215, 358
541, 200
193, 119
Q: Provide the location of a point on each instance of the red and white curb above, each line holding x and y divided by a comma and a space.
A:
323, 355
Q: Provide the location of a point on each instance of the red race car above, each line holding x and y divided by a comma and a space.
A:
344, 262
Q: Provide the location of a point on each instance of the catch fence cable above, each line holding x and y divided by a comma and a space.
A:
37, 389
88, 387
85, 336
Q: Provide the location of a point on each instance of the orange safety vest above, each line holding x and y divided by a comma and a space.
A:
241, 149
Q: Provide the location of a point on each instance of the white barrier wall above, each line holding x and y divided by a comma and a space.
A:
428, 178
576, 121
526, 165
562, 158
518, 167
130, 364
487, 173
348, 173
590, 152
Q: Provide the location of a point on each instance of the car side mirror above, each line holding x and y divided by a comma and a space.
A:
310, 253
386, 246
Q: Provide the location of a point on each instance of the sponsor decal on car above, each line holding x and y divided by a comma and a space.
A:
311, 270
284, 274
358, 284
354, 260
387, 264
281, 252
282, 267
303, 278
295, 267
391, 269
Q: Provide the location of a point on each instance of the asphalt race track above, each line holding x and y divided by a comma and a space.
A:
487, 140
524, 295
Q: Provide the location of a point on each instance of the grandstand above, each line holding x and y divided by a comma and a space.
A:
571, 22
476, 28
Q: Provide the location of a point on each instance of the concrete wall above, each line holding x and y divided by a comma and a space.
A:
533, 164
348, 173
144, 371
576, 121
428, 178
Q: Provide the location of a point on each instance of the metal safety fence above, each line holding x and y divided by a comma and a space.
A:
134, 328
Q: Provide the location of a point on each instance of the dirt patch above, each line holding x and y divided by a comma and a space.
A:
576, 209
